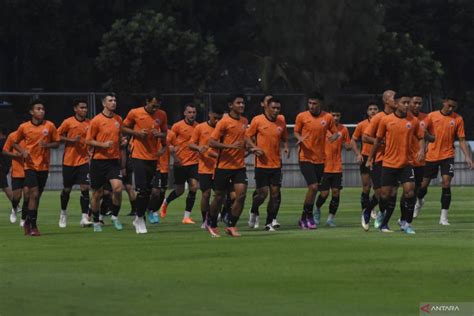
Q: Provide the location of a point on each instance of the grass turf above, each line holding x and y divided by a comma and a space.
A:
180, 270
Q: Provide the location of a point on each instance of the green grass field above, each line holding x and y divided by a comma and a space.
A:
180, 270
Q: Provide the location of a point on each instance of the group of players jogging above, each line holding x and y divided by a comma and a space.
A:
401, 146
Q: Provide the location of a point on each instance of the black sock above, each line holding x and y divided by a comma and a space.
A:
276, 206
446, 198
15, 203
410, 208
373, 202
307, 211
364, 201
255, 206
85, 200
96, 216
64, 199
320, 201
226, 207
403, 208
33, 216
334, 205
154, 203
171, 197
115, 210
106, 204
143, 197
231, 220
190, 199
161, 197
391, 202
212, 220
133, 204
422, 192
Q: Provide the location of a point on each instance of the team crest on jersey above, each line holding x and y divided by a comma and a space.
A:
279, 129
117, 124
323, 122
422, 124
45, 132
451, 123
408, 125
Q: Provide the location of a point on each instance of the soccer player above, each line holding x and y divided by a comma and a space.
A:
39, 136
268, 130
332, 178
5, 165
229, 138
444, 125
398, 130
311, 133
416, 103
185, 167
145, 124
376, 170
17, 177
73, 132
104, 136
127, 176
362, 155
207, 159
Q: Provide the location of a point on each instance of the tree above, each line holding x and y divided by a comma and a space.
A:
149, 52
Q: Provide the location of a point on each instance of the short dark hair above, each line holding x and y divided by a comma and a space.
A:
399, 94
76, 102
108, 94
274, 100
262, 99
190, 105
152, 95
315, 96
416, 94
450, 97
233, 97
34, 102
216, 110
372, 102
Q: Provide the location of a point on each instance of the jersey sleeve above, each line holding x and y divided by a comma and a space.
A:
92, 131
252, 130
8, 143
419, 130
164, 123
20, 135
63, 128
371, 129
381, 130
54, 134
299, 123
129, 119
460, 128
345, 136
357, 132
331, 124
219, 130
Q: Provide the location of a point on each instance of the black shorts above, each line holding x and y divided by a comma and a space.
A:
265, 177
376, 175
206, 181
129, 169
102, 171
419, 172
394, 176
36, 179
331, 181
363, 168
18, 183
75, 175
160, 180
3, 178
225, 178
446, 166
312, 173
144, 171
184, 173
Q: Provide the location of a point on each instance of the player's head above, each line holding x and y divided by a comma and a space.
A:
264, 100
388, 98
402, 102
236, 103
215, 114
450, 104
416, 103
273, 108
109, 101
37, 109
80, 108
152, 102
372, 108
190, 113
315, 101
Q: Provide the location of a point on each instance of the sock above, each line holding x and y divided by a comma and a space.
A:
320, 201
232, 220
15, 203
373, 203
403, 208
24, 209
106, 204
154, 203
307, 211
334, 205
96, 216
390, 207
85, 199
330, 217
277, 205
161, 197
445, 198
190, 199
33, 216
187, 214
227, 206
133, 204
254, 209
212, 221
115, 210
143, 197
364, 201
171, 197
422, 192
64, 199
410, 208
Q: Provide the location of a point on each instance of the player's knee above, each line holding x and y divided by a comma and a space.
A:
409, 194
313, 188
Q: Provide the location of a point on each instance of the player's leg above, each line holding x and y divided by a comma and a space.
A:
17, 186
430, 171
205, 185
221, 181
262, 183
193, 185
408, 185
98, 180
387, 196
240, 188
322, 197
180, 177
273, 207
309, 173
336, 187
447, 174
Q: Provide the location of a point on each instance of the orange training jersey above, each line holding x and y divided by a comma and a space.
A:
139, 119
75, 154
184, 132
201, 135
444, 128
103, 129
398, 133
333, 150
163, 163
33, 135
415, 144
268, 136
358, 133
18, 170
313, 130
371, 131
228, 131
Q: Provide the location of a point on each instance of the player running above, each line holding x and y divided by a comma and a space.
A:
444, 125
311, 129
268, 130
73, 132
332, 178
